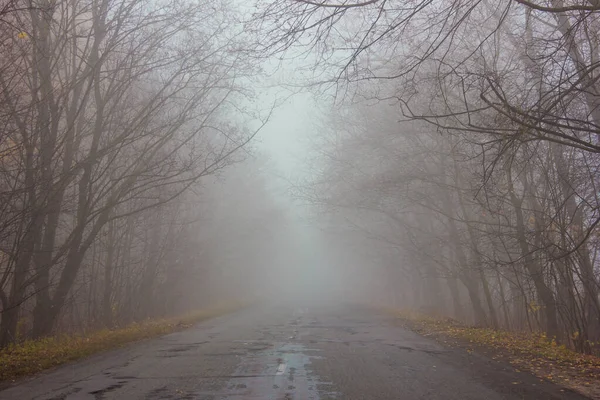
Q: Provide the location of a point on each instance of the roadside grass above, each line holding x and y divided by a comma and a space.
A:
34, 356
533, 352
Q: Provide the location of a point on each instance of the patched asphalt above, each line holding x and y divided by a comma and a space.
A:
289, 352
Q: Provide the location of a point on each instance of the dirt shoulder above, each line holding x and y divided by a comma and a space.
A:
533, 353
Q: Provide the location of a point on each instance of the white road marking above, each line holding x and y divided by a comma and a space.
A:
280, 369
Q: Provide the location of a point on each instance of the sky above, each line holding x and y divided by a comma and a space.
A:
286, 137
287, 140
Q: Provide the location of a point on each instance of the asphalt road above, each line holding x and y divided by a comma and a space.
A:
288, 352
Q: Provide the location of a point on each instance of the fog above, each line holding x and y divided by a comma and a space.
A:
157, 158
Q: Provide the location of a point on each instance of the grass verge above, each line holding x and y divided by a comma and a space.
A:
34, 356
531, 352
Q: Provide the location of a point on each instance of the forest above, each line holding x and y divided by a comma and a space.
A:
465, 150
456, 157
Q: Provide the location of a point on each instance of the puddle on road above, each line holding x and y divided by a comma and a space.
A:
281, 372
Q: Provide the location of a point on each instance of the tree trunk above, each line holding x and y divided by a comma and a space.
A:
587, 275
488, 299
473, 292
33, 231
544, 293
505, 312
455, 294
108, 268
150, 270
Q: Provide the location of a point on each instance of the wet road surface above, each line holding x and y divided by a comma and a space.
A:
288, 352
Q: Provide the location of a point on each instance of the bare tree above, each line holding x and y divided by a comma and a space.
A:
111, 108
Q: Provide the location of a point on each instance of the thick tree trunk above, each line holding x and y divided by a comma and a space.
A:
48, 119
